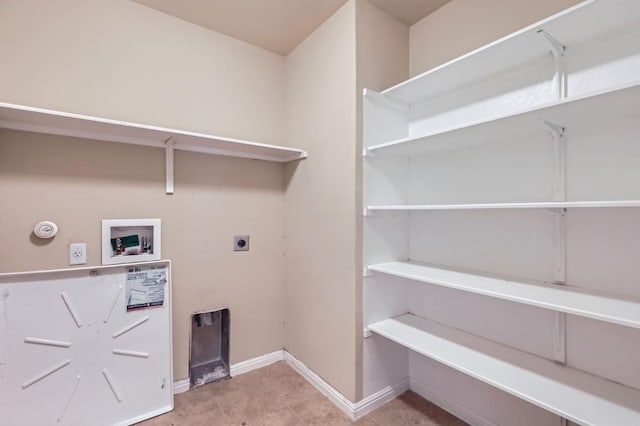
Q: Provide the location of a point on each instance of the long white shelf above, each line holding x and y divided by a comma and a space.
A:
19, 117
556, 297
605, 106
533, 205
572, 394
590, 20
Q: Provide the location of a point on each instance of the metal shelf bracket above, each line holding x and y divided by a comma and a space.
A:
559, 157
559, 236
557, 51
557, 48
168, 150
556, 130
559, 247
559, 278
560, 338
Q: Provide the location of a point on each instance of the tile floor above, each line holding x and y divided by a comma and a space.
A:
278, 396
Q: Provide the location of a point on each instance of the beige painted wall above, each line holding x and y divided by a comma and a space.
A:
321, 202
464, 25
121, 60
118, 59
382, 49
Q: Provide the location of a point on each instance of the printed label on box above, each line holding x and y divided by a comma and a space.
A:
145, 287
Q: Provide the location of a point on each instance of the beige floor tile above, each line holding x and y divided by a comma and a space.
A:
251, 403
168, 419
183, 416
320, 412
409, 409
281, 417
278, 369
277, 395
243, 381
365, 421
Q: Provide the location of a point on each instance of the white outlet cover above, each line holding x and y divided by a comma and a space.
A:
77, 254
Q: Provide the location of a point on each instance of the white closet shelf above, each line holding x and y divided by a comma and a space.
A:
532, 205
575, 395
559, 298
19, 117
590, 20
600, 107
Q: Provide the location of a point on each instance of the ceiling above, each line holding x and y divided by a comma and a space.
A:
409, 11
277, 25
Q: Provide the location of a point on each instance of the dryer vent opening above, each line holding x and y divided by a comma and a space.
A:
209, 358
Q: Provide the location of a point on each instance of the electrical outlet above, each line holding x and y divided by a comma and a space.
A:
77, 254
241, 243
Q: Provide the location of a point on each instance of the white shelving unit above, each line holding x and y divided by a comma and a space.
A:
19, 117
559, 298
572, 394
602, 107
554, 109
584, 23
538, 205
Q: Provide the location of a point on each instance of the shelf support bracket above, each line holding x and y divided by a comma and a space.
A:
559, 247
557, 48
559, 278
559, 157
556, 130
557, 51
168, 153
366, 332
560, 338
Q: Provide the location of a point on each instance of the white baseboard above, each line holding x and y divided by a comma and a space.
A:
238, 368
325, 388
243, 367
449, 405
378, 399
180, 386
353, 410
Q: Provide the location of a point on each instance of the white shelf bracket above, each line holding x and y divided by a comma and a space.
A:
558, 211
169, 148
366, 152
560, 338
556, 130
557, 51
366, 272
366, 212
559, 157
557, 48
366, 333
559, 278
559, 247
